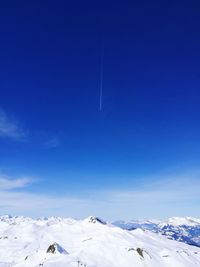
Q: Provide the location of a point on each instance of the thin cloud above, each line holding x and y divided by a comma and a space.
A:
163, 188
171, 197
10, 128
53, 142
9, 184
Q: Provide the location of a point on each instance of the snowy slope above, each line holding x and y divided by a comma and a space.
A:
24, 242
178, 221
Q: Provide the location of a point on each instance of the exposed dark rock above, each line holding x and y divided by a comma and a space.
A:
140, 252
52, 249
56, 248
93, 219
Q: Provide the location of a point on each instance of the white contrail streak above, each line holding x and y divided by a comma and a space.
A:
101, 78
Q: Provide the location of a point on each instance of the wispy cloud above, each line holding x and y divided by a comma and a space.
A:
164, 189
175, 196
15, 201
164, 197
53, 142
9, 127
9, 184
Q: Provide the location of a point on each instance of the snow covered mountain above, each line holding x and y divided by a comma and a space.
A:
134, 224
184, 229
57, 242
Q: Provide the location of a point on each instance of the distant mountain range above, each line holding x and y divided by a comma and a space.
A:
183, 229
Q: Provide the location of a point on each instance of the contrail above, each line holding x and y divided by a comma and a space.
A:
101, 78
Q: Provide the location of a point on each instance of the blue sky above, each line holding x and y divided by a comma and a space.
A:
57, 150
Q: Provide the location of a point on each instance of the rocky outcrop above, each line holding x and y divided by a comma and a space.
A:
93, 219
55, 248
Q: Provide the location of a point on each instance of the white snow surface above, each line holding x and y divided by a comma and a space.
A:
177, 221
87, 243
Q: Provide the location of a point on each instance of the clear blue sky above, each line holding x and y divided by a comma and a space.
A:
51, 129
